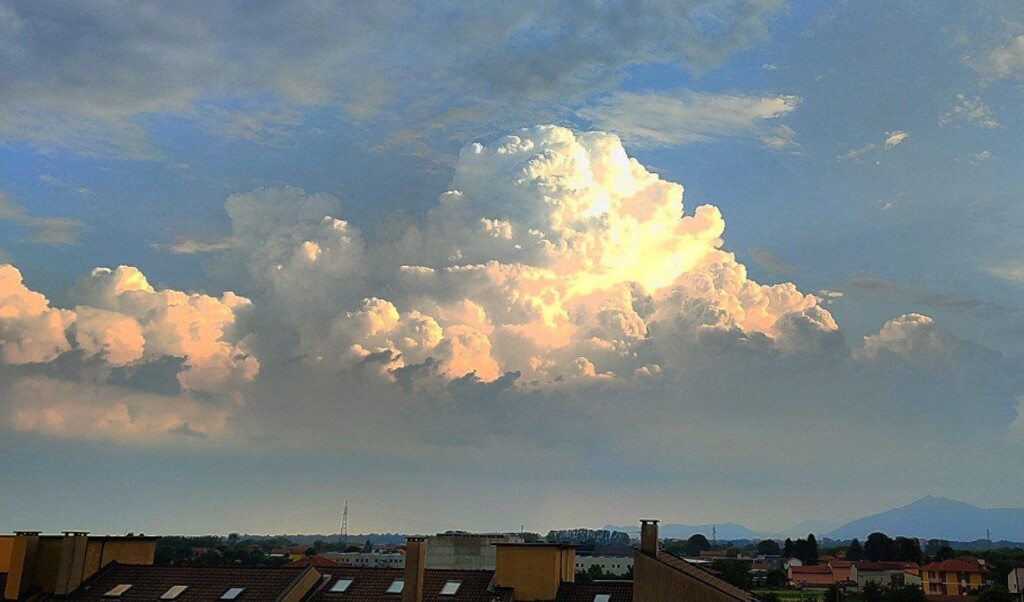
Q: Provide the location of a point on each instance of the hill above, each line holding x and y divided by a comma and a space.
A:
939, 518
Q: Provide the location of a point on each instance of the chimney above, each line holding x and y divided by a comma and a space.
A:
649, 536
415, 561
23, 564
71, 566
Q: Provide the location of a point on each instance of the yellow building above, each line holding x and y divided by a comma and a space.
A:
958, 577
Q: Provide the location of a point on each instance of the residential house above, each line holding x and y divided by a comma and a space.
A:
954, 577
884, 573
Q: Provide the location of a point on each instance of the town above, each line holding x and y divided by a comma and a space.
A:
578, 565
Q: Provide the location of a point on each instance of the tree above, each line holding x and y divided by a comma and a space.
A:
832, 594
768, 547
310, 551
855, 551
734, 572
871, 592
945, 553
878, 547
906, 549
811, 550
995, 593
789, 548
699, 543
771, 597
906, 593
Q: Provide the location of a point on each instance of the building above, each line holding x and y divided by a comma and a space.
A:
954, 577
817, 576
610, 565
659, 576
601, 591
381, 560
193, 584
32, 564
884, 573
1015, 583
470, 551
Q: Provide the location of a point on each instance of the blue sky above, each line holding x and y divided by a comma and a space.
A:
554, 344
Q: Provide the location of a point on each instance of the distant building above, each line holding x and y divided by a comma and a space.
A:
468, 551
884, 573
611, 565
955, 577
379, 560
818, 576
1015, 583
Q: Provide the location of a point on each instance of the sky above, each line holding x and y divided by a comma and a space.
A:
489, 265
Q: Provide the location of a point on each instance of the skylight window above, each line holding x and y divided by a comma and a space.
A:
117, 590
396, 587
174, 592
602, 597
233, 593
450, 587
340, 586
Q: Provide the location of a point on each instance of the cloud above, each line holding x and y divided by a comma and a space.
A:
968, 111
192, 246
70, 370
770, 261
88, 76
45, 230
685, 117
895, 138
1012, 272
892, 140
1007, 59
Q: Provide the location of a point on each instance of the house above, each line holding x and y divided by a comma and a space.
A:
32, 564
610, 565
841, 570
817, 576
600, 591
659, 576
954, 577
142, 583
1015, 583
459, 550
884, 573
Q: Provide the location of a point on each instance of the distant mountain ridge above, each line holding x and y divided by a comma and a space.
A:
939, 518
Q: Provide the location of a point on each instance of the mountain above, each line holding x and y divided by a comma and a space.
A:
808, 526
939, 518
724, 531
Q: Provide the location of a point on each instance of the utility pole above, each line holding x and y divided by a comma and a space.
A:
344, 528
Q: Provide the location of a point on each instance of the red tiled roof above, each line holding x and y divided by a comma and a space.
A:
840, 564
707, 578
956, 565
620, 591
148, 583
317, 561
369, 585
883, 566
810, 570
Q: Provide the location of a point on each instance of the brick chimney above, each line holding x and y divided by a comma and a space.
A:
71, 567
23, 564
415, 561
649, 536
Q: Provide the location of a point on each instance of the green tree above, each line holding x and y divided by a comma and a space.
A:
871, 592
832, 594
945, 553
734, 571
770, 597
906, 593
699, 543
812, 550
768, 547
855, 551
995, 593
906, 549
878, 547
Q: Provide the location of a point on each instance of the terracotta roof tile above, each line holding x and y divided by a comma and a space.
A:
618, 591
705, 577
369, 585
205, 584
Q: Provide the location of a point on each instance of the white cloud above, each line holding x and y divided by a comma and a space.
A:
895, 138
1008, 59
45, 230
83, 76
1011, 272
192, 246
686, 117
968, 111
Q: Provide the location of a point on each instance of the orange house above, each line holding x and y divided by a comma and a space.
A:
957, 577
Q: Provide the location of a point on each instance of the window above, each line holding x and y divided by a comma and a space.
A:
450, 587
117, 590
602, 597
340, 586
396, 587
174, 592
232, 593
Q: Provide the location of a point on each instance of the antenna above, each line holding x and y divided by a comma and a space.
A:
344, 528
714, 536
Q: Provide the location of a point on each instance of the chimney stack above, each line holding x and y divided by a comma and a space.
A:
71, 568
415, 561
649, 536
23, 564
